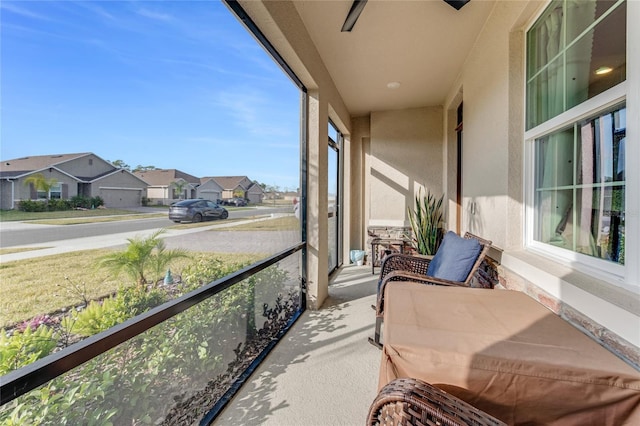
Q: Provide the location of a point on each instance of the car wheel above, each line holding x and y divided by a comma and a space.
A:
224, 215
197, 217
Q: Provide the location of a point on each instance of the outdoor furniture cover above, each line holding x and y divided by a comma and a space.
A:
505, 354
454, 264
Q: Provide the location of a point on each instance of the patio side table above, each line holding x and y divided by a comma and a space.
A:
390, 245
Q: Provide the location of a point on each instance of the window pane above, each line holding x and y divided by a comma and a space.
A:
545, 94
333, 133
581, 13
597, 61
544, 40
554, 160
554, 218
588, 216
602, 149
600, 227
562, 73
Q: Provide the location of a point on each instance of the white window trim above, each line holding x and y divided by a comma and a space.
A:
628, 275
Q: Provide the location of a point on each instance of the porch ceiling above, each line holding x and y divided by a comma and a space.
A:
420, 44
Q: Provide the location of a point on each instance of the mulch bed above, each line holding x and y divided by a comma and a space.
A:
192, 410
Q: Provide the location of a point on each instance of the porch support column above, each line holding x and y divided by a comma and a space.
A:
317, 213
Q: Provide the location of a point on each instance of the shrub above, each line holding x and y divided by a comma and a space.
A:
58, 205
79, 201
100, 316
24, 347
96, 317
32, 206
44, 205
97, 202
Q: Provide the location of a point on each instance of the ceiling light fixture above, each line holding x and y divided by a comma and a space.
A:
603, 70
393, 85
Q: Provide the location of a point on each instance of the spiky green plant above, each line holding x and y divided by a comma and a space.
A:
41, 183
142, 256
426, 222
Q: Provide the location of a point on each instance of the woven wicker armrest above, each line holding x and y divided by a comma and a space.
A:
410, 276
414, 402
404, 262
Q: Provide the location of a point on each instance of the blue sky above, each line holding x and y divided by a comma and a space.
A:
172, 84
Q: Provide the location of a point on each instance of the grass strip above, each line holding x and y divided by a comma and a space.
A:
17, 215
12, 250
81, 220
282, 223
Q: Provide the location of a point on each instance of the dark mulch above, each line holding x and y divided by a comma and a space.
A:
190, 411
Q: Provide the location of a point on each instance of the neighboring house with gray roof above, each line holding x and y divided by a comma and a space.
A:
209, 189
240, 186
83, 174
169, 185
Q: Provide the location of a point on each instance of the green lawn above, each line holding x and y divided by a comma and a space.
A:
47, 284
285, 223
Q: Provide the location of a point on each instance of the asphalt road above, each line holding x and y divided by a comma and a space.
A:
12, 235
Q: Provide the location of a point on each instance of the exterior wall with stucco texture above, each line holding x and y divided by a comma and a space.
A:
358, 218
121, 179
485, 138
486, 161
22, 190
86, 166
405, 154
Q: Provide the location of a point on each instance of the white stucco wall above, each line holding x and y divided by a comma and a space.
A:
405, 155
486, 162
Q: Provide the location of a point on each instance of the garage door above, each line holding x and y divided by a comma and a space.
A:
119, 198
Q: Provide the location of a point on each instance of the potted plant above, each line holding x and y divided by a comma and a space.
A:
426, 223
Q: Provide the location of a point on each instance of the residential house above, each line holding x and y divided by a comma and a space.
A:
168, 185
240, 186
83, 174
255, 194
209, 189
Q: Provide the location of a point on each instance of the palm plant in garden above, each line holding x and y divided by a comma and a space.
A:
41, 183
426, 223
179, 186
142, 256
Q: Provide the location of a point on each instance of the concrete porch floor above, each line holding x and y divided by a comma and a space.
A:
324, 372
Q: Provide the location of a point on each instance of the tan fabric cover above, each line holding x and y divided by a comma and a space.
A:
505, 354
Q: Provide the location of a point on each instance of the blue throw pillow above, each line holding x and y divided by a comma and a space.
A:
455, 258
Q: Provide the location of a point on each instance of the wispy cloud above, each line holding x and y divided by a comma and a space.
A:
14, 8
253, 111
151, 14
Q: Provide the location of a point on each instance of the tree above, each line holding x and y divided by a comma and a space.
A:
41, 183
142, 255
140, 168
121, 164
179, 186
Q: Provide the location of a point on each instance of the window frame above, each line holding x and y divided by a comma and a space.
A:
609, 271
620, 275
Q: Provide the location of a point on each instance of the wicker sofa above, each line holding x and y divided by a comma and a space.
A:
404, 267
463, 354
